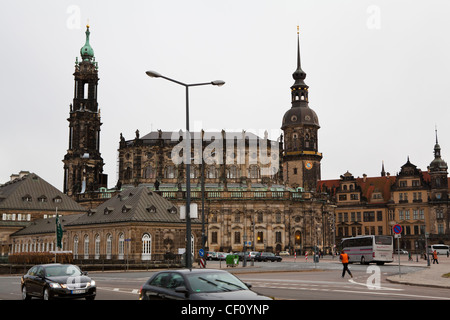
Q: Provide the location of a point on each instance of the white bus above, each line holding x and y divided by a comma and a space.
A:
366, 249
440, 249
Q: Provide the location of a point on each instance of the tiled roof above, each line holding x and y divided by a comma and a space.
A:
48, 225
31, 192
133, 205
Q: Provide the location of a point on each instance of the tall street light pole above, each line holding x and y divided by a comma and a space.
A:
154, 74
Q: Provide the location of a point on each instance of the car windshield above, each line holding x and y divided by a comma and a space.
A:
62, 270
215, 282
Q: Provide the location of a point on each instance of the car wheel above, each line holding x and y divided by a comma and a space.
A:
25, 295
46, 294
90, 298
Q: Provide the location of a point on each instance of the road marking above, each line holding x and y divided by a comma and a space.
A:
374, 288
131, 291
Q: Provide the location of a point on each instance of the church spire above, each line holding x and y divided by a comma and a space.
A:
299, 89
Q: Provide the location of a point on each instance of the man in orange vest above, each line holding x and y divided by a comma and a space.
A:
435, 257
344, 259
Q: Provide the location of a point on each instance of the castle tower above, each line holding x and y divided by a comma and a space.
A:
83, 164
301, 159
438, 175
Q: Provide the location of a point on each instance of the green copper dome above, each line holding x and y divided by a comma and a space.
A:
87, 53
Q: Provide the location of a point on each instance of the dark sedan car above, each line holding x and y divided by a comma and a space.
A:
55, 280
197, 284
267, 256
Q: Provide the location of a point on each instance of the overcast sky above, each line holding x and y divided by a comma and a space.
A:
377, 72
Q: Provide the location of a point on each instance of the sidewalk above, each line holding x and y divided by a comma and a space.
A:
430, 277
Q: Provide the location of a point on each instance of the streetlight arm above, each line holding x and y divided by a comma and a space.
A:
154, 74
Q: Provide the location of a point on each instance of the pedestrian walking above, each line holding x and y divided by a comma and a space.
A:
435, 257
344, 259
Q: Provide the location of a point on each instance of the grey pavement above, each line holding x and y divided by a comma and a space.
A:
429, 276
415, 272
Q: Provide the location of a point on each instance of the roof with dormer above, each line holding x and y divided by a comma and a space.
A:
133, 205
31, 192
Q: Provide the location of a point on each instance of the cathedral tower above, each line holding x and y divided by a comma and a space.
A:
83, 164
301, 160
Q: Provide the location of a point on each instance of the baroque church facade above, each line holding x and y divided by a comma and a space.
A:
255, 193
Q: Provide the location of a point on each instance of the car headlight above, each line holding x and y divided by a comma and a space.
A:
91, 284
55, 285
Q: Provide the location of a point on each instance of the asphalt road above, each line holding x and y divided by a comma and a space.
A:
285, 281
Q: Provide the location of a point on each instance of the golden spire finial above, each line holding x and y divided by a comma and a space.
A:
87, 24
298, 32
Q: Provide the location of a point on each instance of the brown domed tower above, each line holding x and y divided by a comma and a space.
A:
301, 160
83, 164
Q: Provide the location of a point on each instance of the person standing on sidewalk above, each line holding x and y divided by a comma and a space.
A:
344, 259
435, 257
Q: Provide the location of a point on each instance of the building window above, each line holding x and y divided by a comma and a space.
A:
232, 172
211, 172
379, 215
75, 247
260, 217
369, 216
254, 172
97, 247
108, 246
278, 217
149, 172
237, 237
86, 247
298, 238
146, 247
278, 236
169, 172
214, 237
407, 217
121, 246
260, 237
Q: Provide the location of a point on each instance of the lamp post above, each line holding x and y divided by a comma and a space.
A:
154, 74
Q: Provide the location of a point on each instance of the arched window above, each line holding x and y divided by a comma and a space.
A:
298, 238
254, 172
232, 172
169, 172
211, 172
121, 246
149, 172
86, 247
97, 247
108, 246
146, 247
128, 173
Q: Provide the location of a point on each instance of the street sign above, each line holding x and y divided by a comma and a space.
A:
201, 252
397, 229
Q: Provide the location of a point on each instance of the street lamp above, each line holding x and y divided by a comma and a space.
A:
219, 83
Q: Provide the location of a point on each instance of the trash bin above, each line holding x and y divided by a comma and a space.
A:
316, 258
232, 260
